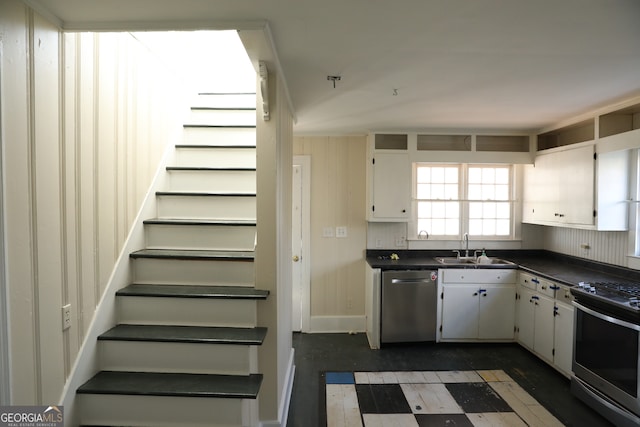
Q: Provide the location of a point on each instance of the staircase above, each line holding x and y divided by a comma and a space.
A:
184, 351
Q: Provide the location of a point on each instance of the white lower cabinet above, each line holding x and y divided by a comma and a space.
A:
544, 324
477, 305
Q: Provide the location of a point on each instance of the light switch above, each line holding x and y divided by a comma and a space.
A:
341, 231
327, 232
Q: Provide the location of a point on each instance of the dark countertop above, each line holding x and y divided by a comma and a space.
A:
551, 265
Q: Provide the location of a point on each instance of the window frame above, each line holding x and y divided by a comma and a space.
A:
463, 194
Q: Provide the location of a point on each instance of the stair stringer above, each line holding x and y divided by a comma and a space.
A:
104, 318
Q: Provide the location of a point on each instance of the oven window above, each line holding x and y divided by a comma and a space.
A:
608, 350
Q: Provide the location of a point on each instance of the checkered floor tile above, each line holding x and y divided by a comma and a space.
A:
431, 399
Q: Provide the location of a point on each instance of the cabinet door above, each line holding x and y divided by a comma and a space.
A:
577, 168
543, 329
497, 312
563, 337
391, 186
460, 310
526, 317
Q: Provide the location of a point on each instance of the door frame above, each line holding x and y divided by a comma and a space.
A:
5, 371
304, 161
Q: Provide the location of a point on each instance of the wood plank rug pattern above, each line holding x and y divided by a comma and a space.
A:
431, 399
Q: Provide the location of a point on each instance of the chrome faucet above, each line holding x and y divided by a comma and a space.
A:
465, 239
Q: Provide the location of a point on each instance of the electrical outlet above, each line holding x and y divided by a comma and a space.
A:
378, 243
341, 232
66, 317
400, 241
327, 232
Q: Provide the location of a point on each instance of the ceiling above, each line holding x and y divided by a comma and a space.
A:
439, 65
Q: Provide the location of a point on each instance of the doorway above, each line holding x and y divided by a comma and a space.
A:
300, 244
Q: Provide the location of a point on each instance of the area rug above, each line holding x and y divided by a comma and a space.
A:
431, 399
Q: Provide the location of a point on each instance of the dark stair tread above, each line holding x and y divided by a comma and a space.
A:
226, 93
205, 169
186, 334
192, 291
202, 194
194, 254
220, 126
182, 221
173, 384
225, 108
216, 146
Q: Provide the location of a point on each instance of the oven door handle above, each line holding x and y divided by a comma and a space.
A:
605, 317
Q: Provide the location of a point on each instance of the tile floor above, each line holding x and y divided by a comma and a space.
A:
343, 354
488, 398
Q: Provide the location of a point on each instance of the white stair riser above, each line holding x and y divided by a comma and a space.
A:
240, 100
195, 358
216, 157
187, 311
213, 181
165, 411
222, 117
201, 236
207, 207
194, 272
219, 136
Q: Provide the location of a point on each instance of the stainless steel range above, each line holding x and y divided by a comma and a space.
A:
606, 361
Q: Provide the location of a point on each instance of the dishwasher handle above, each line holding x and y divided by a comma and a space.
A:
409, 281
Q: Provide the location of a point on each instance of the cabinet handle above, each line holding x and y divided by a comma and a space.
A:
404, 211
475, 294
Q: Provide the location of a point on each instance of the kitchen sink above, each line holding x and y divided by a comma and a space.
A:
454, 260
472, 261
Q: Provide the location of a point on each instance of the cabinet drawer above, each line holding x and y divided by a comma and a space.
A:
527, 280
547, 288
455, 275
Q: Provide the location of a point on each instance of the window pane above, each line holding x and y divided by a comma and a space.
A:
475, 175
502, 176
451, 192
488, 192
503, 211
438, 210
489, 227
437, 175
437, 191
451, 175
475, 227
488, 175
437, 226
503, 227
475, 210
502, 192
424, 209
423, 174
475, 192
452, 227
489, 210
423, 191
453, 210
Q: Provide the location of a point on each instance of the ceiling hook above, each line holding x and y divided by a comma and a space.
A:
334, 79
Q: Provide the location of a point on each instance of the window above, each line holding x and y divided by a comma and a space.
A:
455, 199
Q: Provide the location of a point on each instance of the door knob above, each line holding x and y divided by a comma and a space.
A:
295, 258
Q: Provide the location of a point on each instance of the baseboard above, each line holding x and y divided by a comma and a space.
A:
285, 400
337, 324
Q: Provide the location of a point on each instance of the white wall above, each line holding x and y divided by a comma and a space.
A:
338, 189
81, 142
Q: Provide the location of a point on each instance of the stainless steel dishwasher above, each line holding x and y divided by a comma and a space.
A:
408, 309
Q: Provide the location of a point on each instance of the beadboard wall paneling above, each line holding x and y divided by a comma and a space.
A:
337, 199
82, 138
604, 246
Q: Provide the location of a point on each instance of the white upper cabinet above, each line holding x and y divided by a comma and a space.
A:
572, 184
389, 180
